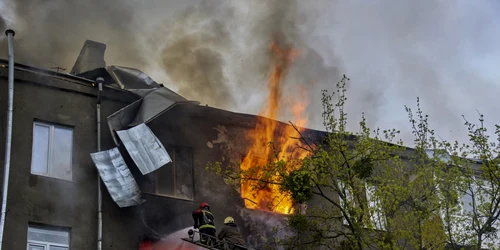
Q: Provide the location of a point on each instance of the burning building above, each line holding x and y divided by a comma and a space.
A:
150, 147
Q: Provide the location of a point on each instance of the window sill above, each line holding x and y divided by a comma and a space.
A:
168, 196
51, 177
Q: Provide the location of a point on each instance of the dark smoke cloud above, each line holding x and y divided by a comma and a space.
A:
218, 52
192, 57
3, 25
51, 33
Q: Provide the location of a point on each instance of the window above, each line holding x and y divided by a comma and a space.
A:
466, 203
47, 238
376, 213
375, 209
479, 192
349, 197
175, 179
52, 151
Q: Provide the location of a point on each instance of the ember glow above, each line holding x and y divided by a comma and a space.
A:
271, 198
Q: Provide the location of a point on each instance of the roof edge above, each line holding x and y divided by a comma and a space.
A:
4, 63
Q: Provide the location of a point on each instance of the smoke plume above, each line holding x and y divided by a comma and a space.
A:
192, 57
218, 52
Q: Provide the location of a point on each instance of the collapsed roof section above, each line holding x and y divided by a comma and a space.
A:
141, 144
155, 99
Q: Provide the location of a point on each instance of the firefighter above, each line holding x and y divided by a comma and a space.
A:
204, 221
231, 234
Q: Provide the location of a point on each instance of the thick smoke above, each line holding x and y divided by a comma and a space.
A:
192, 57
3, 25
51, 33
218, 52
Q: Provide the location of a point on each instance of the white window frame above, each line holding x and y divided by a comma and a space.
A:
44, 244
379, 219
377, 216
461, 203
349, 198
462, 214
50, 156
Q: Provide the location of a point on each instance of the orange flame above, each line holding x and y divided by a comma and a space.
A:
270, 198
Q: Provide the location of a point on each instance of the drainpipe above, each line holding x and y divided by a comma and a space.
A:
8, 140
99, 82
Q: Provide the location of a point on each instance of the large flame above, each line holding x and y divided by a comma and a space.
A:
271, 198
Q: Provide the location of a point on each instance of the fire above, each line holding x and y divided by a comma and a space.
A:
271, 198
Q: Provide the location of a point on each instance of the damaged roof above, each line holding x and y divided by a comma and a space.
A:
154, 100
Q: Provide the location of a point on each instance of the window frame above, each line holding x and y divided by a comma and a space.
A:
173, 157
461, 204
463, 214
378, 218
50, 231
50, 156
379, 224
349, 197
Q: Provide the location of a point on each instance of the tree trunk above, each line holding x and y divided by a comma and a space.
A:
479, 241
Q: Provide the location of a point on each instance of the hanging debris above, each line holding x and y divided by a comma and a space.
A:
145, 148
116, 176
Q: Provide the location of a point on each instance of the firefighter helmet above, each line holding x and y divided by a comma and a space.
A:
204, 204
228, 220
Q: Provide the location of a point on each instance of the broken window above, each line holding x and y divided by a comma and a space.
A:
47, 238
175, 179
52, 151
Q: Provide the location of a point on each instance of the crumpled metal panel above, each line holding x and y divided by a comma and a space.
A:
122, 118
144, 147
156, 99
129, 78
117, 178
156, 103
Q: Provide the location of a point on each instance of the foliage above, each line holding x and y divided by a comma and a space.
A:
475, 220
298, 183
365, 190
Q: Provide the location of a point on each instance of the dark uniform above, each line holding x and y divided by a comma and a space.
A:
231, 234
204, 221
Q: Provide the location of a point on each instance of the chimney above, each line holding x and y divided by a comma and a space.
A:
91, 57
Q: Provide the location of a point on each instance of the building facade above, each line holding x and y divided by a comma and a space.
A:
52, 199
52, 196
53, 182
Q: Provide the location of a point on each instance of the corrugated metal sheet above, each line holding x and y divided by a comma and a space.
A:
116, 176
144, 147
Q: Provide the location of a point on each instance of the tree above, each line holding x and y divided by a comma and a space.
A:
473, 219
365, 190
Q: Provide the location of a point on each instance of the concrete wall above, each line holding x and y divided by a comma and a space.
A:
213, 135
51, 201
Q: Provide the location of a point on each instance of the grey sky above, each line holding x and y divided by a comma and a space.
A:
446, 52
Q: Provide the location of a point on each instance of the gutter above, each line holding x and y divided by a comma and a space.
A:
99, 82
8, 140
